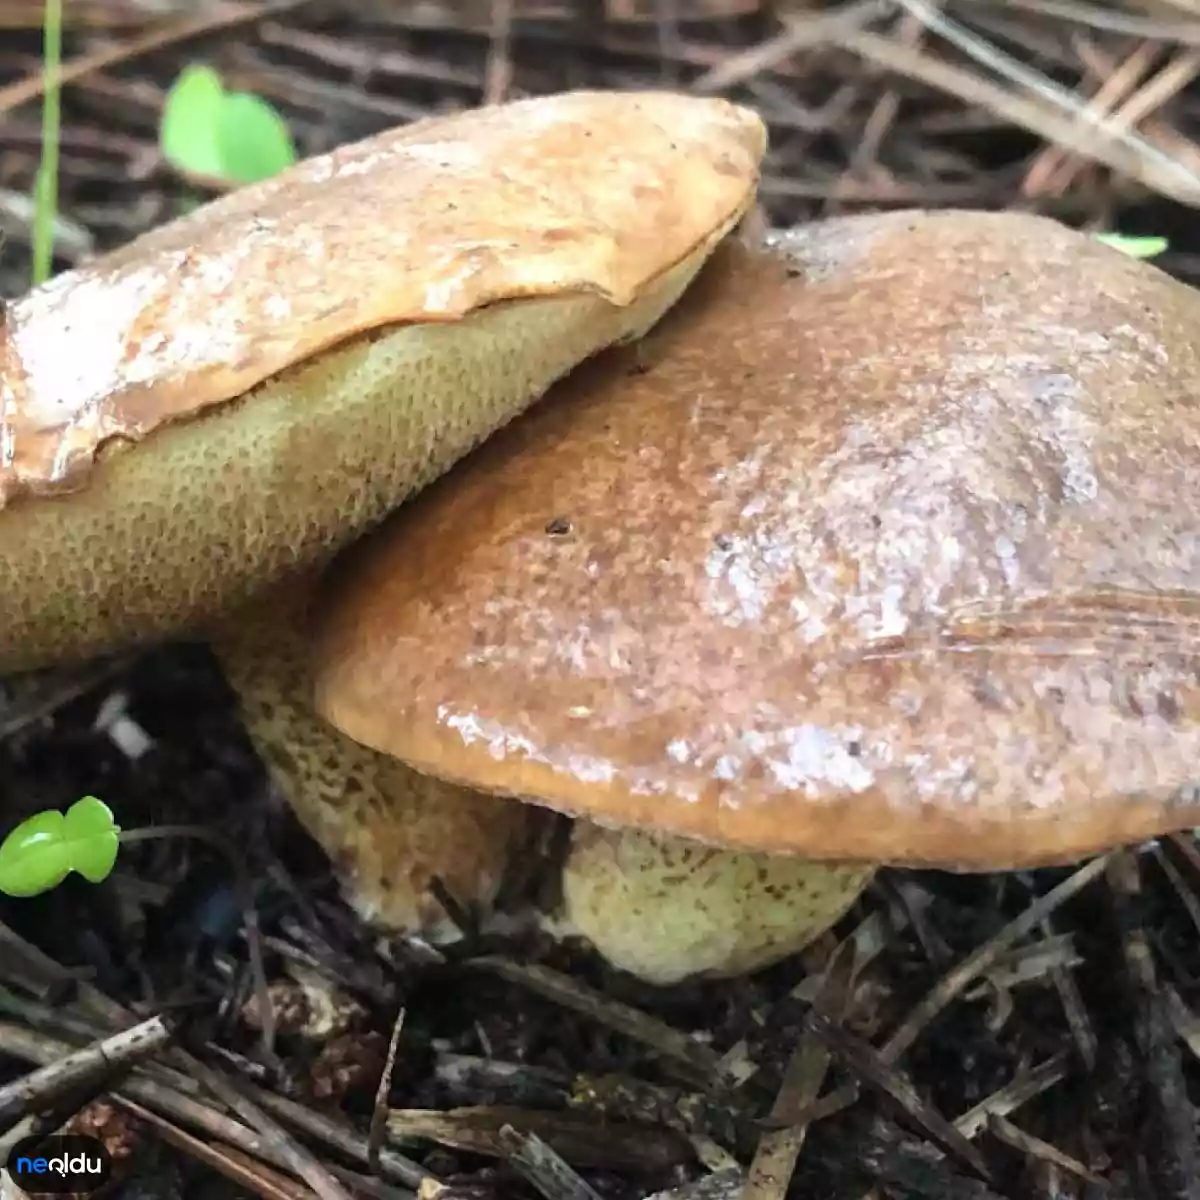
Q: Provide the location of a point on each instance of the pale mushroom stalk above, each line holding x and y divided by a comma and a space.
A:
667, 908
388, 830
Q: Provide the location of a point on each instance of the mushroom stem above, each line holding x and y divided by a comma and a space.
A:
389, 830
665, 908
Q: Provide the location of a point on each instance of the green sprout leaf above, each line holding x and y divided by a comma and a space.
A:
254, 140
1135, 247
33, 858
43, 850
232, 136
187, 134
94, 838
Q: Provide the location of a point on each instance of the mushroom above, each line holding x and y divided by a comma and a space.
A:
213, 409
235, 394
880, 548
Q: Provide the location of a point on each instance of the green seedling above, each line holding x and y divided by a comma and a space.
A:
1135, 247
231, 137
44, 849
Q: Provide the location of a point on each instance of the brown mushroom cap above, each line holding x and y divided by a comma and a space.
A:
882, 546
235, 393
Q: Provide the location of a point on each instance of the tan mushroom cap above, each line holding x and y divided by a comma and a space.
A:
236, 392
883, 546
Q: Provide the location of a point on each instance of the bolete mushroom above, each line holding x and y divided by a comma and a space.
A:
881, 548
236, 393
214, 408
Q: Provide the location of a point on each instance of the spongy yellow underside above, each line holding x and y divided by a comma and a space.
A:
175, 529
388, 830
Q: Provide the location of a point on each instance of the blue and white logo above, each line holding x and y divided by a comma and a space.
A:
53, 1165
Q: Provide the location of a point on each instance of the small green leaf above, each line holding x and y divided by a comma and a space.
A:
34, 858
94, 838
253, 140
1135, 247
43, 850
187, 133
233, 136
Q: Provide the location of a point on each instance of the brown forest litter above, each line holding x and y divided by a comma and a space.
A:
1026, 1035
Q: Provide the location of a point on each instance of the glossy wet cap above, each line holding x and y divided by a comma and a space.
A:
885, 545
235, 395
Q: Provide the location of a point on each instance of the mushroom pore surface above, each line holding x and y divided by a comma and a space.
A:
234, 394
882, 546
